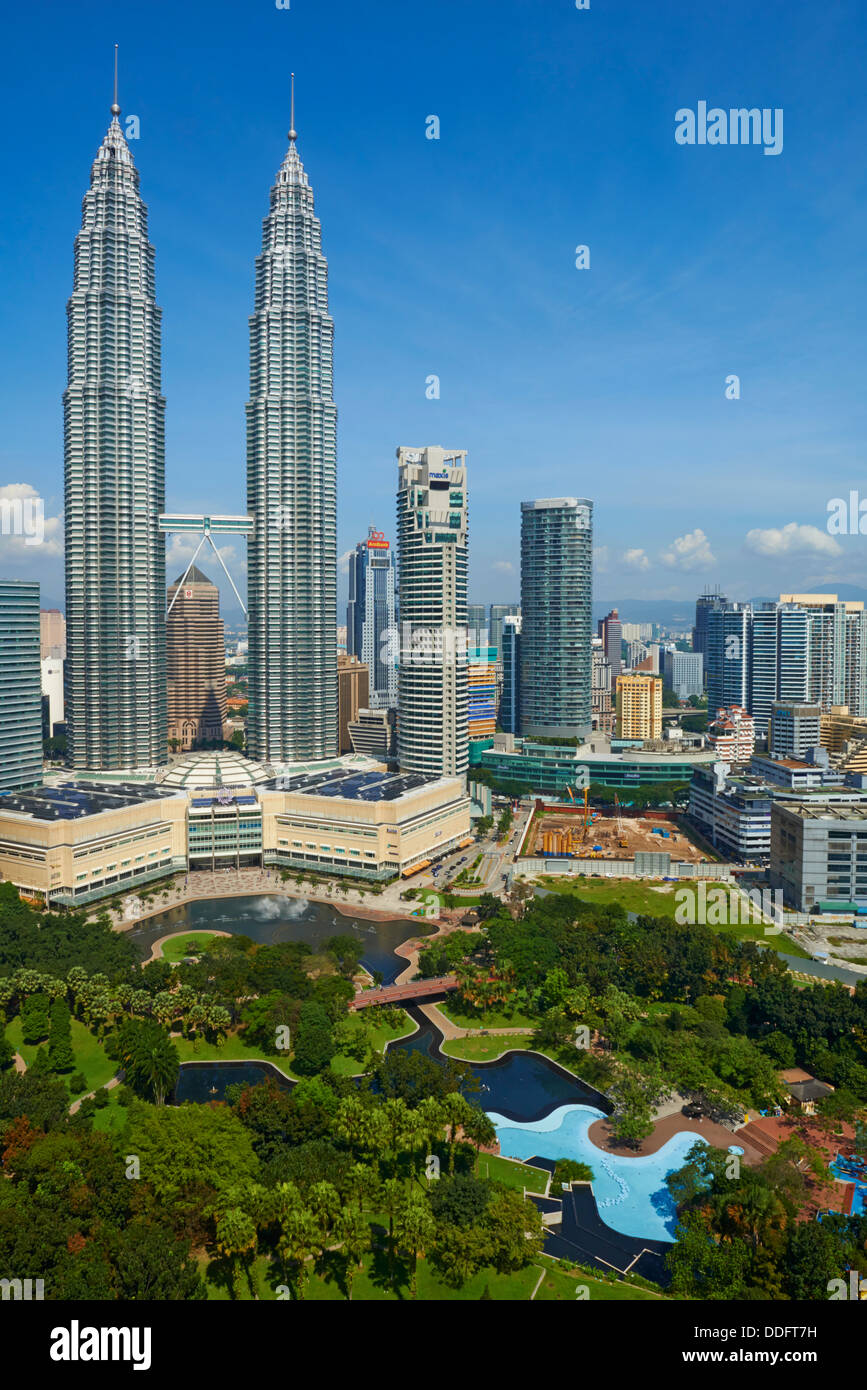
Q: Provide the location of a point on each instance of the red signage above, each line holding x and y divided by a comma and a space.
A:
376, 540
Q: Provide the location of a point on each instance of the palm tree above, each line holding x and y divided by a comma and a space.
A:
297, 1241
236, 1239
479, 1128
362, 1182
415, 1226
457, 1112
353, 1232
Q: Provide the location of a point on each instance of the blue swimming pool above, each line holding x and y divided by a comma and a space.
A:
630, 1193
848, 1173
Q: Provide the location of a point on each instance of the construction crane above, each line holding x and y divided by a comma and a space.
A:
619, 817
586, 815
571, 797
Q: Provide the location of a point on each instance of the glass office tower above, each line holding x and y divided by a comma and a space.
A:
292, 485
20, 686
556, 596
114, 465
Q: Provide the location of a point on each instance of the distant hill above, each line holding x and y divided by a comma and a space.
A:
671, 613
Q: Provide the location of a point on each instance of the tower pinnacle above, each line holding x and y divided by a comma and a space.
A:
293, 134
115, 109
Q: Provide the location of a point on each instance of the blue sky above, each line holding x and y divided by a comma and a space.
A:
456, 257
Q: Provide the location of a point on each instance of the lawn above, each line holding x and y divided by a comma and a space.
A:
370, 1284
489, 1018
190, 944
111, 1119
379, 1037
235, 1049
511, 1173
90, 1058
485, 1049
659, 901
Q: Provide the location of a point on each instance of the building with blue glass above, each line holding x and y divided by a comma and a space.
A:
20, 686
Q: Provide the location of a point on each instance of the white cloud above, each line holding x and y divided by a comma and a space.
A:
600, 559
689, 552
504, 566
791, 540
636, 560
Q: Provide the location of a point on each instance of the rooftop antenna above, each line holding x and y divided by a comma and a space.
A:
293, 134
115, 109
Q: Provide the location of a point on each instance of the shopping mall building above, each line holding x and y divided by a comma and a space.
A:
75, 841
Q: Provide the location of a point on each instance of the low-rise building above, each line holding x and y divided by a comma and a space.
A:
819, 853
796, 774
80, 841
732, 735
794, 728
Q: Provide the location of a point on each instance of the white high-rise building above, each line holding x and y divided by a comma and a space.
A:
432, 579
114, 463
292, 485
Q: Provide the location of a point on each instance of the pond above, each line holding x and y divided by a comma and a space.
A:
272, 918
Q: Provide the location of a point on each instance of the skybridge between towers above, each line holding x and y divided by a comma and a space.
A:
206, 527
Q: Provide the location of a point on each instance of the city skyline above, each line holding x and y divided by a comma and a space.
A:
680, 285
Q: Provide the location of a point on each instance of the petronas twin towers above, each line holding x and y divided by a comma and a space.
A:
114, 459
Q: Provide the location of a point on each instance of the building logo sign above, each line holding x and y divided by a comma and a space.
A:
376, 540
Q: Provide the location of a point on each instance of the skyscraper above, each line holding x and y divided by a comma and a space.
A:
727, 651
556, 593
292, 485
371, 616
481, 692
432, 568
499, 612
114, 462
195, 662
704, 604
477, 625
20, 686
610, 631
510, 700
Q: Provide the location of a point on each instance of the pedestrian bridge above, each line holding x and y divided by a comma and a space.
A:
406, 993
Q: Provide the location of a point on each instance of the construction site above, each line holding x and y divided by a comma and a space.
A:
585, 833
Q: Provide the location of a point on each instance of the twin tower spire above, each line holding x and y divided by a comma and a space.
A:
114, 467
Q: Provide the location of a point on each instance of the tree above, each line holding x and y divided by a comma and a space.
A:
152, 1264
35, 1018
236, 1239
60, 1052
415, 1229
515, 1231
149, 1058
188, 1154
314, 1044
353, 1232
479, 1128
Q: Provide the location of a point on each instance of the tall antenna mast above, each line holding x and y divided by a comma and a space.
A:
115, 109
293, 134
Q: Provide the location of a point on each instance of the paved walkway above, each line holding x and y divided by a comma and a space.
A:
451, 1030
599, 1134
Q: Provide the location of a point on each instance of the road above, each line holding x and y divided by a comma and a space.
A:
496, 859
